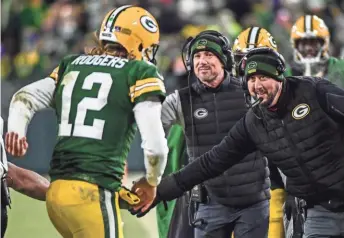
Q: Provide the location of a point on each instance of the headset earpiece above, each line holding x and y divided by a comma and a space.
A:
282, 66
187, 47
241, 66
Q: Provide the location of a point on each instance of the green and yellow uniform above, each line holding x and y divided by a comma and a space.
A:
94, 100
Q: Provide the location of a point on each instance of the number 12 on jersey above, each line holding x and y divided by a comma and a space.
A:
95, 131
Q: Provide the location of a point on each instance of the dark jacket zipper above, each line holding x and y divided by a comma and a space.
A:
216, 115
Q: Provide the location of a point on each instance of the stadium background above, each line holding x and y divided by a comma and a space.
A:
36, 34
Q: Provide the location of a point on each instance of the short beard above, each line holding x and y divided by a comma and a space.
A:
209, 79
271, 97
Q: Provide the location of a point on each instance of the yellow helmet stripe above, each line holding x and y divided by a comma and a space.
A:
253, 37
110, 22
308, 23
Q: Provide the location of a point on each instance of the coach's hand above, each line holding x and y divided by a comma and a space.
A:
14, 145
168, 189
140, 213
146, 193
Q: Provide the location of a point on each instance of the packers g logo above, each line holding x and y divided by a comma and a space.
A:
201, 113
252, 65
272, 41
201, 44
148, 24
300, 111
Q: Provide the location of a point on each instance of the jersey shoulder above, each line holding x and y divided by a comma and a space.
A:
68, 59
144, 81
335, 71
335, 62
60, 69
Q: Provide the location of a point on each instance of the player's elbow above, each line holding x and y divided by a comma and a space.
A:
157, 149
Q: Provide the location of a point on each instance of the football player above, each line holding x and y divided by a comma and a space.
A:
255, 37
250, 38
310, 39
99, 98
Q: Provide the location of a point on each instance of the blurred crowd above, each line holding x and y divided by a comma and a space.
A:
36, 34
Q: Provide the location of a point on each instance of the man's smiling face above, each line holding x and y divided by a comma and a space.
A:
207, 66
264, 88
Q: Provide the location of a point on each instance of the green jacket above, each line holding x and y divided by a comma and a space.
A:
176, 158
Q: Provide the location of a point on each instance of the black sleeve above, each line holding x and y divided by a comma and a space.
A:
331, 100
234, 147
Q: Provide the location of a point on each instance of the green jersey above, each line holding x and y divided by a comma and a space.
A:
332, 70
335, 71
94, 100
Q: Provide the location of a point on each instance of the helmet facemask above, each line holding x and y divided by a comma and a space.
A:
148, 54
310, 39
310, 50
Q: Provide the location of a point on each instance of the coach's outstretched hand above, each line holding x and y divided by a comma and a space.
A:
140, 213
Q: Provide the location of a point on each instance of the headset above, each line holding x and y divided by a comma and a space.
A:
281, 68
212, 36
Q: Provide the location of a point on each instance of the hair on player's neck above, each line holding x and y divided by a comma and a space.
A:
108, 48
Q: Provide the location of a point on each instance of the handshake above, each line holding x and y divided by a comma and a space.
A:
150, 196
147, 195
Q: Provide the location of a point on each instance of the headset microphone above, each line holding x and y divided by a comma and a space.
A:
256, 102
249, 103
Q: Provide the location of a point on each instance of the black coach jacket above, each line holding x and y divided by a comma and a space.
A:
303, 136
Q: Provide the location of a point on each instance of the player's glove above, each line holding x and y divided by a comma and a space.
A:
167, 190
127, 198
